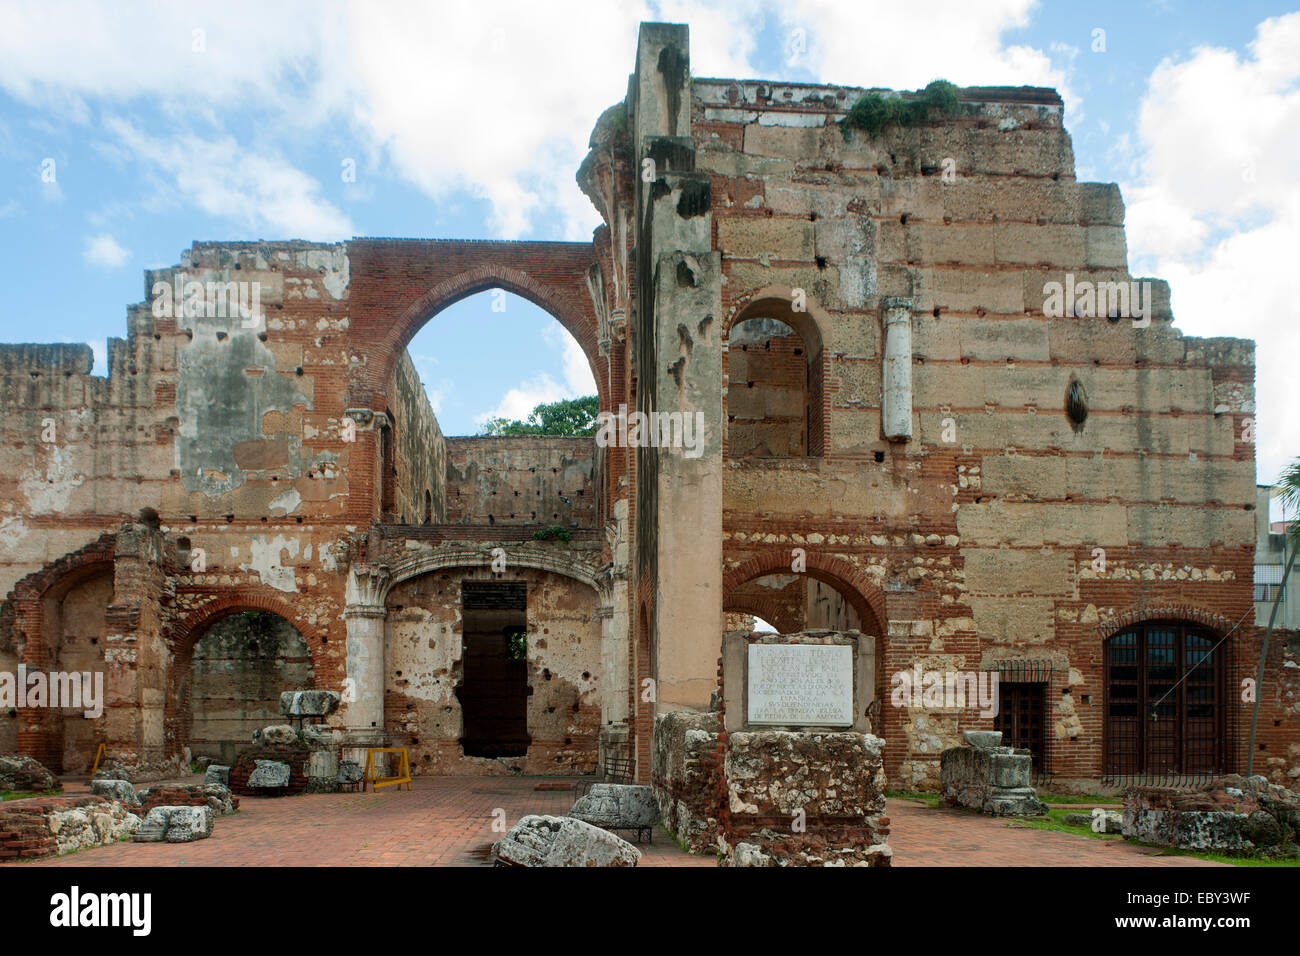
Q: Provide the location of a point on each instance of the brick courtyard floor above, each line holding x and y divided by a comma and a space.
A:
447, 821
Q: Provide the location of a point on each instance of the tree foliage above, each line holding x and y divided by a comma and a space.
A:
575, 417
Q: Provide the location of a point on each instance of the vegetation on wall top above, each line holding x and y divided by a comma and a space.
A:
873, 113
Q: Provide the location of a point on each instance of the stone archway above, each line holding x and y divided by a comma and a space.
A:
184, 637
852, 583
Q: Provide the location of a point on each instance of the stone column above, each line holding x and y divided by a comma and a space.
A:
896, 382
363, 690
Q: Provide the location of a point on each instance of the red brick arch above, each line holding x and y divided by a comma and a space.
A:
1172, 611
768, 609
831, 569
186, 634
183, 637
397, 286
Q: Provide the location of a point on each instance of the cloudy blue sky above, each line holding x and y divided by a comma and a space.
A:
170, 122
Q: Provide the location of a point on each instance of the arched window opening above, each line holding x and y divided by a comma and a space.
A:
387, 474
774, 383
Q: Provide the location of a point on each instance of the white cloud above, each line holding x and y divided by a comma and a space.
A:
901, 46
104, 250
1215, 208
261, 192
493, 99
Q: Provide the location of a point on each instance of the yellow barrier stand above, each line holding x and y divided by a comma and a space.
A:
99, 754
403, 771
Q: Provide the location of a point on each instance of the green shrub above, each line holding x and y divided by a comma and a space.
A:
874, 113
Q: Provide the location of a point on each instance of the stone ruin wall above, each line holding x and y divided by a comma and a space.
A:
982, 548
955, 553
523, 480
252, 491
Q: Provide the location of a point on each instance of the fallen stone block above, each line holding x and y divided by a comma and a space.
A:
563, 841
21, 774
176, 825
294, 755
615, 806
269, 774
319, 736
350, 772
309, 703
1111, 821
120, 790
275, 734
218, 774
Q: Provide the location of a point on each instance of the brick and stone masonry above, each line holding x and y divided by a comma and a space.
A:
892, 412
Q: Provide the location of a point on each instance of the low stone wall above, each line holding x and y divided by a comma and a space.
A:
215, 796
685, 769
771, 797
1233, 814
46, 826
805, 799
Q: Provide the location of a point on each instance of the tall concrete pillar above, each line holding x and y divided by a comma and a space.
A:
679, 361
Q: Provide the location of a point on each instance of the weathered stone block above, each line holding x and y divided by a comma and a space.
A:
120, 790
275, 734
176, 825
217, 774
309, 703
563, 841
616, 806
22, 774
269, 774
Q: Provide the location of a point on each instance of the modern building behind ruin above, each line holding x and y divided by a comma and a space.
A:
897, 437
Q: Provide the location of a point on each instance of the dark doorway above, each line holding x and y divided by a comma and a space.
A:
1022, 710
494, 692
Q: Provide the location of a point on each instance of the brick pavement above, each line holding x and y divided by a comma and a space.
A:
447, 821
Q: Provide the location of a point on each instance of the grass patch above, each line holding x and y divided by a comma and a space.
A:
1055, 820
1219, 857
1092, 799
932, 799
21, 795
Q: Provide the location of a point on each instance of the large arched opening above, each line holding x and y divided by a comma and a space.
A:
74, 641
231, 660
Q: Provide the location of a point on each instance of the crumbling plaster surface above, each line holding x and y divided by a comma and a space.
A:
423, 663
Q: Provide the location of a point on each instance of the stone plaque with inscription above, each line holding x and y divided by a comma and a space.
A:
800, 684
